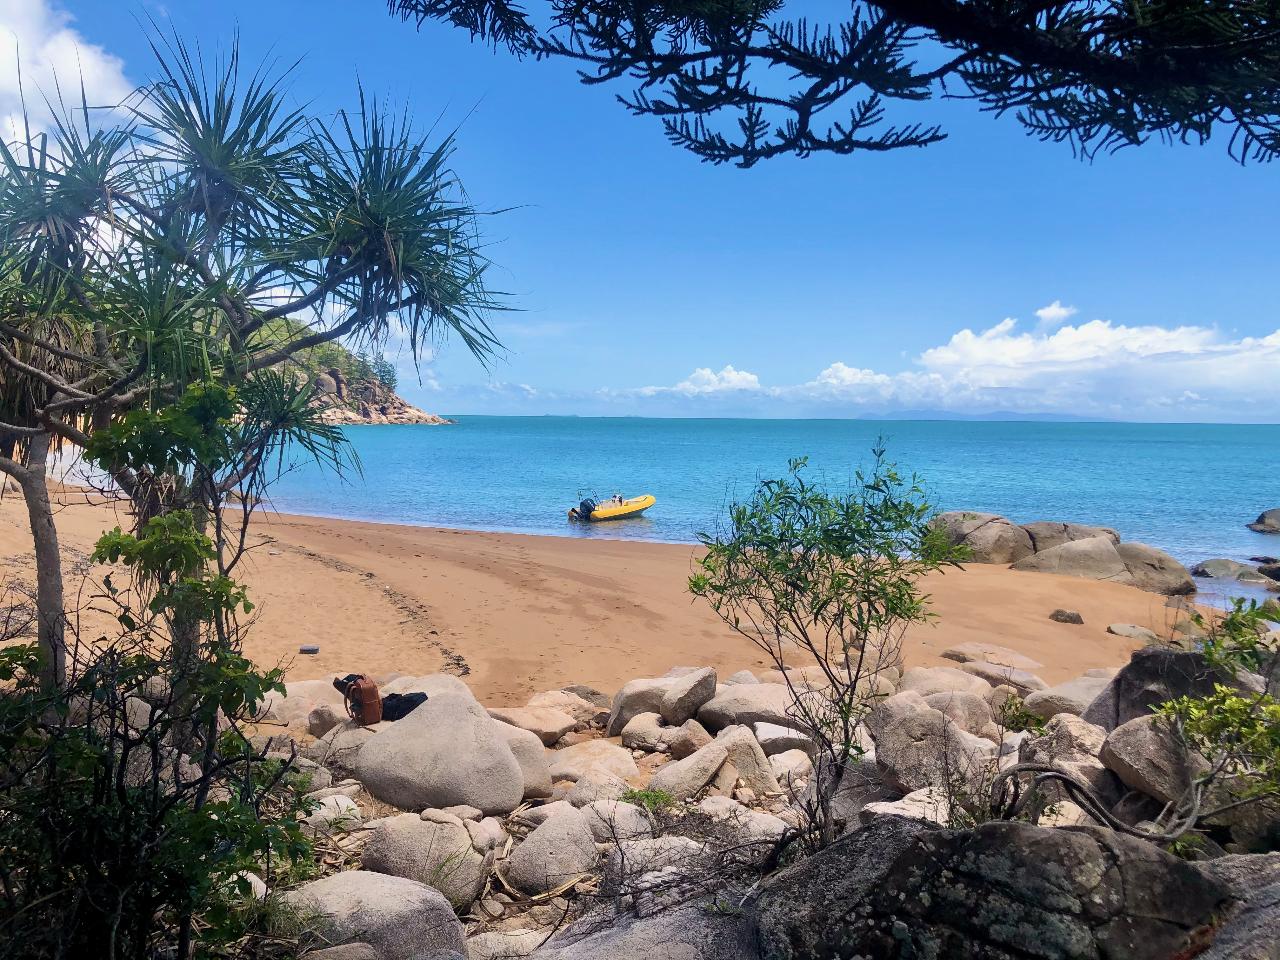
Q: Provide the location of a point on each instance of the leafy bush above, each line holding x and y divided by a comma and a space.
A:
655, 801
829, 581
1014, 716
125, 820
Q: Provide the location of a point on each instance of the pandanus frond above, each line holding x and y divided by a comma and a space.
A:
389, 215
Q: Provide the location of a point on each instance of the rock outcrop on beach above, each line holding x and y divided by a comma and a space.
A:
1002, 891
365, 401
493, 832
1070, 549
989, 538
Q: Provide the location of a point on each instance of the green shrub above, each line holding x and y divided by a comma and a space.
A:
655, 801
122, 824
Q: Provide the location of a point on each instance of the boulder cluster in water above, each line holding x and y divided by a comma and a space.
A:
533, 830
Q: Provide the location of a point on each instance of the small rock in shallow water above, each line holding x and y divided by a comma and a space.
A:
1268, 522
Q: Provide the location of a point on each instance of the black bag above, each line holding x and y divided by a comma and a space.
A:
395, 706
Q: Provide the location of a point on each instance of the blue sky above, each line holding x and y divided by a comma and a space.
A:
988, 273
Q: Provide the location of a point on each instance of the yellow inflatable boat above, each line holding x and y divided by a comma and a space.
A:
595, 511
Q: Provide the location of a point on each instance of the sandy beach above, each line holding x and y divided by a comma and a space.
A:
523, 613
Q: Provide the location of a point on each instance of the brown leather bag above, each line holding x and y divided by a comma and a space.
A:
364, 703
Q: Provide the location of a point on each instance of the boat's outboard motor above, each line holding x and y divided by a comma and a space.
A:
586, 508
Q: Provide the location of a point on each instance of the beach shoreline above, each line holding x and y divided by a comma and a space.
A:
520, 613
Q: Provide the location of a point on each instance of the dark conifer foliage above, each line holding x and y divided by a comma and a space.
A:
739, 81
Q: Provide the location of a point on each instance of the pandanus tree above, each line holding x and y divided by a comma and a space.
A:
179, 256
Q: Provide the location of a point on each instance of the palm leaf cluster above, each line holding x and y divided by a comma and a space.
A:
207, 231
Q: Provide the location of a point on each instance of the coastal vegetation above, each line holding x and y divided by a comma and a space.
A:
323, 358
148, 259
1096, 75
173, 288
832, 579
164, 279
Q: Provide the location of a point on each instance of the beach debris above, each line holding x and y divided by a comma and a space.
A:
310, 648
1066, 616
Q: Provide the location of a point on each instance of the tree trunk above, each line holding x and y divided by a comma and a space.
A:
51, 615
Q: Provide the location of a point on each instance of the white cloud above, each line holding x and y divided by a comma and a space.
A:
841, 376
1000, 351
1095, 368
1055, 313
704, 380
40, 52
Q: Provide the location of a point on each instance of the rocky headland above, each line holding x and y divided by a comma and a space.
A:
365, 401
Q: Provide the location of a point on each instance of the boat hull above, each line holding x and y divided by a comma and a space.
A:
631, 507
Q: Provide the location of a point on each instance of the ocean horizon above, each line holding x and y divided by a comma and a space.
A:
1188, 489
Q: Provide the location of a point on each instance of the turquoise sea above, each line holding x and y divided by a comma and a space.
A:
1187, 488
